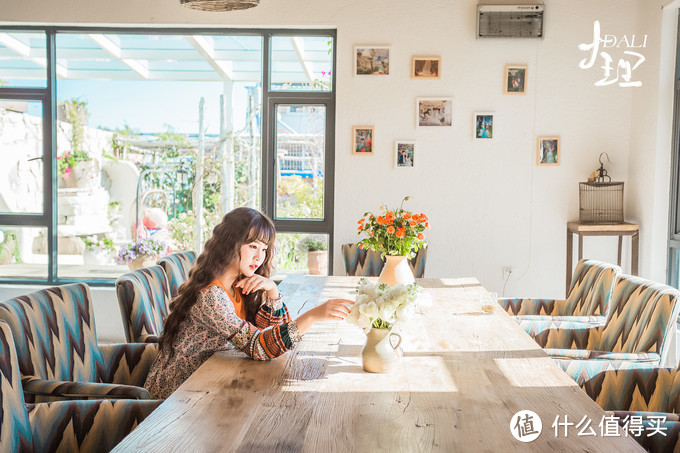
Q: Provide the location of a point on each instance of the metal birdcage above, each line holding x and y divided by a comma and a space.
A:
601, 200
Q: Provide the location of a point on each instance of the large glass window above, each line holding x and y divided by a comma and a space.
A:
155, 135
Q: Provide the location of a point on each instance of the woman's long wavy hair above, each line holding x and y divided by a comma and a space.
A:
238, 227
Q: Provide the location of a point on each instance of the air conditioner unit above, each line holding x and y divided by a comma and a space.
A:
510, 21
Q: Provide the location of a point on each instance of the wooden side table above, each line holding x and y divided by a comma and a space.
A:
590, 229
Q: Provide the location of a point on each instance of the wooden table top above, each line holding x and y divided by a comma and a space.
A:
461, 379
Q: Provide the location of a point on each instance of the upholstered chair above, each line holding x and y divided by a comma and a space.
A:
642, 317
144, 301
176, 267
73, 426
367, 263
59, 358
636, 390
586, 305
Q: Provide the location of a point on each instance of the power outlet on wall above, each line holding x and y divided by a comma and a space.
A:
507, 270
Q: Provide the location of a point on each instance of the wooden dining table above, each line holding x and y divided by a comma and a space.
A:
461, 378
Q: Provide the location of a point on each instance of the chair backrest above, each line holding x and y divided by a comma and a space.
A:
54, 333
368, 263
144, 300
591, 289
642, 315
15, 431
177, 266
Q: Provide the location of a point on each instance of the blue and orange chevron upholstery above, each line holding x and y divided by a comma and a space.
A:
367, 263
587, 300
177, 266
144, 298
631, 389
59, 358
68, 426
642, 316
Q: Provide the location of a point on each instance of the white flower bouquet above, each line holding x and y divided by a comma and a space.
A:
380, 306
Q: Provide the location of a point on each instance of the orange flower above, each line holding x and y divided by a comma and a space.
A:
372, 232
413, 223
427, 225
361, 221
407, 215
380, 220
400, 233
423, 217
390, 229
390, 216
415, 217
361, 246
360, 227
420, 236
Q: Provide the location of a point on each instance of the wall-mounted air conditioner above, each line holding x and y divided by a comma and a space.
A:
510, 21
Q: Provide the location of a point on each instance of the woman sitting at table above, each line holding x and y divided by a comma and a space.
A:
229, 299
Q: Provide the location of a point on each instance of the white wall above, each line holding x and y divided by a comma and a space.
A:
489, 204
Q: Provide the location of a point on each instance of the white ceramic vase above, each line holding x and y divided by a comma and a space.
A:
396, 271
380, 352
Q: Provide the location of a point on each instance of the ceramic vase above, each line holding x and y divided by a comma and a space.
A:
380, 353
396, 271
317, 262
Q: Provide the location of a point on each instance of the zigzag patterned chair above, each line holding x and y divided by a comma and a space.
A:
70, 426
642, 317
177, 266
587, 300
59, 358
631, 390
143, 298
367, 263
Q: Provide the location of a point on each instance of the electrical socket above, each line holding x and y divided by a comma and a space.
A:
507, 270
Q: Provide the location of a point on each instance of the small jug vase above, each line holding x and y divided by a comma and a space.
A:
379, 354
396, 271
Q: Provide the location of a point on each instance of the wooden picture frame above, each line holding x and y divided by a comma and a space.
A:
434, 112
404, 153
482, 125
548, 151
426, 68
372, 60
363, 140
515, 79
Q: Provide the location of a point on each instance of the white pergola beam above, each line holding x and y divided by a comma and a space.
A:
141, 67
207, 51
299, 47
23, 50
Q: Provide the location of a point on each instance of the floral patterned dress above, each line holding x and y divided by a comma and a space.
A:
212, 325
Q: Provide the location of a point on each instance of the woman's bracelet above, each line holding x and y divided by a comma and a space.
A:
274, 301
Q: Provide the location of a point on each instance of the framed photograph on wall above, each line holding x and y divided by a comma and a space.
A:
371, 60
515, 77
404, 153
434, 112
482, 126
363, 139
426, 68
548, 151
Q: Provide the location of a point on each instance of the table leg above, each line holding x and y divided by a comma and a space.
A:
570, 247
618, 256
635, 246
580, 247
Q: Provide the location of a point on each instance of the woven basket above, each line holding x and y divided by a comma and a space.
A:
219, 5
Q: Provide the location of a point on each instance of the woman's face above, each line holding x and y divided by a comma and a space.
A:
253, 255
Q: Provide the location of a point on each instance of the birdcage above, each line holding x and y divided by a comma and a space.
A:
600, 202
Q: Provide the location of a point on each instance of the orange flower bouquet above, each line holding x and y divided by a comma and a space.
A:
395, 232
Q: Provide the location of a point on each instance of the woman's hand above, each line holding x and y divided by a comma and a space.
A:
331, 310
256, 283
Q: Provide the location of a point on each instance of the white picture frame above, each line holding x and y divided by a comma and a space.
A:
434, 112
371, 60
404, 154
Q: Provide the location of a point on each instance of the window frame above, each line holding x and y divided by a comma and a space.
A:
48, 96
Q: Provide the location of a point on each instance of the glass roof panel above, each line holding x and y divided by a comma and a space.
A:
22, 59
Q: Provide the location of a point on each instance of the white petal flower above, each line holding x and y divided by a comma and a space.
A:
364, 322
370, 309
387, 312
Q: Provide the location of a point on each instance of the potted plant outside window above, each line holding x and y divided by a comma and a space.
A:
317, 254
